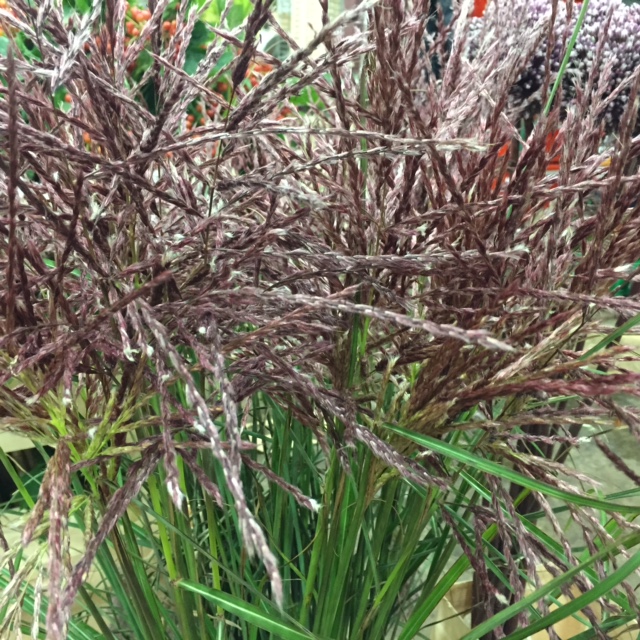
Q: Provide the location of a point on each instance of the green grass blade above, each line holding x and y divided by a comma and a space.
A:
567, 57
502, 471
608, 625
13, 474
247, 612
530, 600
612, 337
580, 602
78, 630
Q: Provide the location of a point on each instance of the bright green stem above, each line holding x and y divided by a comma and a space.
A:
8, 465
567, 56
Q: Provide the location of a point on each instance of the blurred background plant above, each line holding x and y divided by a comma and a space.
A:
285, 340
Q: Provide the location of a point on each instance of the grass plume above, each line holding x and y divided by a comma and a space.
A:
266, 315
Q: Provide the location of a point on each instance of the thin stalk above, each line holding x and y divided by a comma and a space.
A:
13, 474
213, 548
150, 627
567, 57
159, 504
345, 551
319, 549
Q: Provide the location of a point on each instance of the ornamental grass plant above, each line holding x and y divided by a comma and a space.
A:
294, 351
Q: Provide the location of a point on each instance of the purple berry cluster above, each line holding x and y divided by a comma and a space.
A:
620, 55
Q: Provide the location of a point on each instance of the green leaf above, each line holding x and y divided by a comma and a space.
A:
224, 60
608, 625
247, 612
554, 616
195, 53
612, 337
192, 61
78, 630
580, 602
240, 10
419, 615
212, 14
505, 473
567, 56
